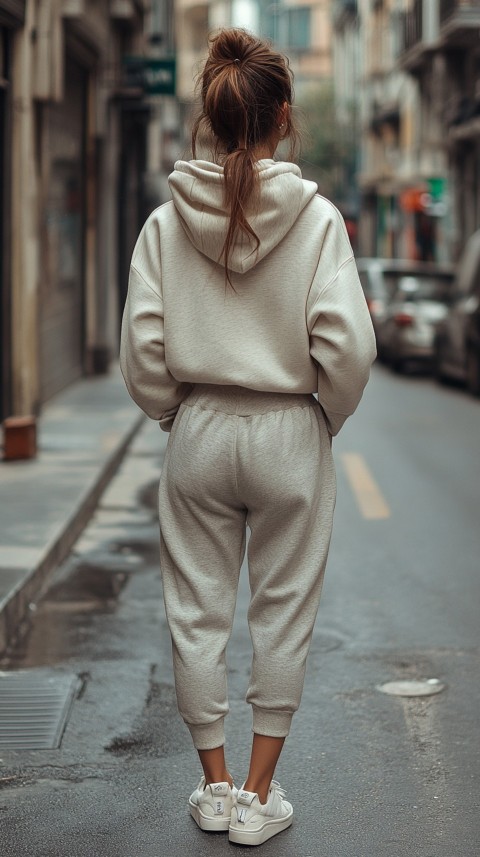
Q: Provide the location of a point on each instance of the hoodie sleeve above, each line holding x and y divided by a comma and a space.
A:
142, 347
342, 341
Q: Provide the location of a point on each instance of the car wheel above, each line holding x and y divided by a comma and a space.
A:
398, 365
381, 356
473, 371
437, 365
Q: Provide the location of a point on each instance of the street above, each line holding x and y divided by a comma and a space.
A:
369, 775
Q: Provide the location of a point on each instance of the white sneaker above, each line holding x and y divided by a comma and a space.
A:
211, 806
253, 822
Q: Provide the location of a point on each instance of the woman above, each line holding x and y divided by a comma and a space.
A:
243, 301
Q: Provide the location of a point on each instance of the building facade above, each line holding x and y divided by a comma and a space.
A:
441, 51
73, 150
388, 107
416, 85
303, 31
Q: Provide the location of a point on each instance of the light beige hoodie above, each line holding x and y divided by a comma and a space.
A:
296, 320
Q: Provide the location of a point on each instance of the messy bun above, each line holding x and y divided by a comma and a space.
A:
244, 85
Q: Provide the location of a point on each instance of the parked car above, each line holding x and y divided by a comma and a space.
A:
457, 340
377, 286
407, 299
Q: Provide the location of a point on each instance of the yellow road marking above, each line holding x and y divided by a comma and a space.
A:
367, 493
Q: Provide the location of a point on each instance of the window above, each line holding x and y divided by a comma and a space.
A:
298, 28
287, 27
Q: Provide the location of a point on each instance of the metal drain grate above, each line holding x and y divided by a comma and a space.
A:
34, 708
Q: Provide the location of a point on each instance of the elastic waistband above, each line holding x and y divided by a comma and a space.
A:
244, 402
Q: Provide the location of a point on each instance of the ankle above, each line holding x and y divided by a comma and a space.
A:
260, 787
214, 766
225, 777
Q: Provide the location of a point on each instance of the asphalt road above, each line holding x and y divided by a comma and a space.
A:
368, 774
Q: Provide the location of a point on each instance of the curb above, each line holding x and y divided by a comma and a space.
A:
15, 608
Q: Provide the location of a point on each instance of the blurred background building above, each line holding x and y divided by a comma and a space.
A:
300, 29
96, 98
80, 140
441, 51
416, 79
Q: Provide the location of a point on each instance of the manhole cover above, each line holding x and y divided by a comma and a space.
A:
427, 687
34, 708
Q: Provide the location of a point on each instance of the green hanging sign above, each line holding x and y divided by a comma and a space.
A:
154, 76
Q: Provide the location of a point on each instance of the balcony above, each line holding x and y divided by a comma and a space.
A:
463, 118
459, 22
419, 32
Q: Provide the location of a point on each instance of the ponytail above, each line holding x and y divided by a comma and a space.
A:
244, 85
241, 182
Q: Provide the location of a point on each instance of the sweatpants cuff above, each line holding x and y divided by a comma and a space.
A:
207, 736
276, 724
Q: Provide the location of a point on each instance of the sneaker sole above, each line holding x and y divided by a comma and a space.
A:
266, 831
205, 822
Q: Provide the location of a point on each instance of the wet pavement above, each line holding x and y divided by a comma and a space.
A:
368, 774
46, 501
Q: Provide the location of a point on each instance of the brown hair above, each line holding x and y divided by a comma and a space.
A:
243, 85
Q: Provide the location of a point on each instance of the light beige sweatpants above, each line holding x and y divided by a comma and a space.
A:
238, 458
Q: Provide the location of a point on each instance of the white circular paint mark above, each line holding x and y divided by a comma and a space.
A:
427, 687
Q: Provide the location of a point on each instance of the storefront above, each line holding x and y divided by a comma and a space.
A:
132, 210
424, 208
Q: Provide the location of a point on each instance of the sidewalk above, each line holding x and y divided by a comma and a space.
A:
45, 503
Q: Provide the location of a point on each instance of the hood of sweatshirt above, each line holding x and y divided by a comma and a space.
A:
197, 192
